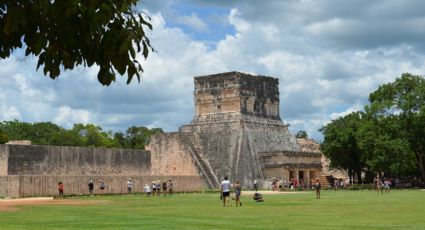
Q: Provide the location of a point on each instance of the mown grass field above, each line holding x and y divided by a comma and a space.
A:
401, 209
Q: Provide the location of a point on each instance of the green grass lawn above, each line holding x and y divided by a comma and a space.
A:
401, 209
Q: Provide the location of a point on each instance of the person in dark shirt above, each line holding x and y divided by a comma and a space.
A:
91, 186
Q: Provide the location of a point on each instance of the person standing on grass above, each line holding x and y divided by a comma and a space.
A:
225, 190
387, 184
170, 188
147, 190
91, 186
164, 188
153, 188
317, 187
378, 185
129, 185
102, 185
61, 187
255, 185
238, 190
158, 188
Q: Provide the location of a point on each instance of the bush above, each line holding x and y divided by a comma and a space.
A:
360, 187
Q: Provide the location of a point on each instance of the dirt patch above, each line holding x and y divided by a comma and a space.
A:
14, 204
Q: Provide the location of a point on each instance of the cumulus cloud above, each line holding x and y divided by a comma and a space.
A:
328, 58
68, 116
193, 21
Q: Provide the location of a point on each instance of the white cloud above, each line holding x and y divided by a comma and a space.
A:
354, 108
193, 21
10, 113
328, 58
235, 20
66, 116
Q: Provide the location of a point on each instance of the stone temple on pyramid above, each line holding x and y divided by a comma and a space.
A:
236, 131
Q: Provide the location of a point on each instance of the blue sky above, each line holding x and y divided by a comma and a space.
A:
328, 56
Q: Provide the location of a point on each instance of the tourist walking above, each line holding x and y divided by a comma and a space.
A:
378, 185
170, 188
129, 185
225, 190
158, 188
61, 187
255, 185
102, 185
153, 188
164, 188
238, 190
91, 186
147, 190
387, 184
317, 187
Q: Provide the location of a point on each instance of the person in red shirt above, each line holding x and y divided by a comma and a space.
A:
61, 187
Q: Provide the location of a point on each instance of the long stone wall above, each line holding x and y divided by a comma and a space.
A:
36, 185
4, 155
63, 160
170, 156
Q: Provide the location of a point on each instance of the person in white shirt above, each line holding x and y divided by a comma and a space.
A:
147, 190
129, 185
225, 190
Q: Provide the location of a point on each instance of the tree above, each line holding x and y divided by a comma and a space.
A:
383, 148
340, 144
139, 137
3, 138
403, 102
68, 33
41, 133
92, 136
87, 135
16, 130
302, 134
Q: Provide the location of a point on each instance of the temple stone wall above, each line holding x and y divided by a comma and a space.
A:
38, 185
170, 156
62, 160
4, 155
237, 92
294, 158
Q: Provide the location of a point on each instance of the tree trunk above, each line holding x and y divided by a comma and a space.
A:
421, 167
350, 175
359, 176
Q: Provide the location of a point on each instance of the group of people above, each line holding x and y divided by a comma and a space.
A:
340, 183
102, 186
155, 188
225, 189
382, 186
167, 187
291, 184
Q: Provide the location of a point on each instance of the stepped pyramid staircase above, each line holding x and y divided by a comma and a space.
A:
326, 181
190, 142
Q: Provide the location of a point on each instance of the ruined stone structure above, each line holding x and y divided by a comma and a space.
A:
31, 170
237, 132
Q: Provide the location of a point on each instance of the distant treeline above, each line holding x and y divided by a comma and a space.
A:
89, 135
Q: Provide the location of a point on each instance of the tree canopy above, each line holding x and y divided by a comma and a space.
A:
85, 135
388, 137
340, 144
402, 104
302, 134
68, 33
